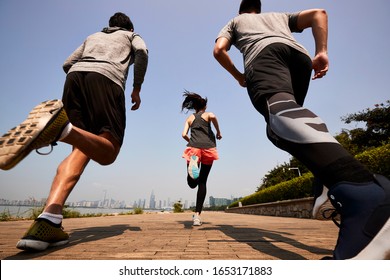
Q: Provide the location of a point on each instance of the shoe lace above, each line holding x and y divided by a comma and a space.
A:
331, 213
46, 153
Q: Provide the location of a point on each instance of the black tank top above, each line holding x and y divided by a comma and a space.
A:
202, 136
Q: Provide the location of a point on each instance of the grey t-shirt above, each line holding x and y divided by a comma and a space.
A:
110, 53
251, 33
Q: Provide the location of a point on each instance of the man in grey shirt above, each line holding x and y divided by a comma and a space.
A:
277, 76
91, 117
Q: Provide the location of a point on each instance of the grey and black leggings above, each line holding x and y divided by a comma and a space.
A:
277, 83
304, 135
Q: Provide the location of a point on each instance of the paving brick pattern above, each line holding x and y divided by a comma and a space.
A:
171, 236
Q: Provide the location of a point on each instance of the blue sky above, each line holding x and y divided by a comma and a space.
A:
37, 36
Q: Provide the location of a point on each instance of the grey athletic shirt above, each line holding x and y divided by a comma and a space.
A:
251, 33
110, 53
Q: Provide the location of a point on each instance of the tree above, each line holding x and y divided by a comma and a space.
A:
375, 133
344, 139
282, 173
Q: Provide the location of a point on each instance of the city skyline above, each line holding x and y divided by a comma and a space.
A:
114, 203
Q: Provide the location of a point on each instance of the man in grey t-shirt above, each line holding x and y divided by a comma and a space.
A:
277, 76
91, 118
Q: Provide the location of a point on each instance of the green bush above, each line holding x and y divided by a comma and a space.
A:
178, 207
298, 187
377, 160
138, 210
5, 216
125, 213
69, 213
35, 212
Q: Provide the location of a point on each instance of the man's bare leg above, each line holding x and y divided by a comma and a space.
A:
67, 176
101, 148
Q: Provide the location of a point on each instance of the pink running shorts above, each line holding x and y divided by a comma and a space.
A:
206, 156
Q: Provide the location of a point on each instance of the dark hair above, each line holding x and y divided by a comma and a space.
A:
249, 6
121, 20
193, 101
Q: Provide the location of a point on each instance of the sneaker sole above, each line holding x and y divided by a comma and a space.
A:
193, 169
323, 205
326, 206
197, 223
37, 245
41, 128
379, 247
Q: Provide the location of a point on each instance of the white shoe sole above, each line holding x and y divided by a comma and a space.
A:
37, 245
197, 222
41, 128
319, 204
193, 168
322, 205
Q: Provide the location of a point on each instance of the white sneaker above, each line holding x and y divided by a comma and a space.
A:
196, 220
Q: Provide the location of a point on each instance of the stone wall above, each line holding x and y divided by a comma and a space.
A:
297, 208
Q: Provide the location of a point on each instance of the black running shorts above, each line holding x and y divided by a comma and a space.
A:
95, 103
278, 68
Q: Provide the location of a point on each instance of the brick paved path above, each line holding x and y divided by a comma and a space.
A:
169, 236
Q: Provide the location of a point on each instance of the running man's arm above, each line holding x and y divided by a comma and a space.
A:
73, 58
140, 59
135, 97
140, 65
221, 48
317, 20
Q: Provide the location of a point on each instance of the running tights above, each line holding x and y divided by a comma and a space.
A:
201, 183
304, 135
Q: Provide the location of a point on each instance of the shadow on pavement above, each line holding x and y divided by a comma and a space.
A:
268, 242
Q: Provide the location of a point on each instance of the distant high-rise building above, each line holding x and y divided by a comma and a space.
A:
219, 201
152, 202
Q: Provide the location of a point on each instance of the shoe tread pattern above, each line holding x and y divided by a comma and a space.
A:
41, 128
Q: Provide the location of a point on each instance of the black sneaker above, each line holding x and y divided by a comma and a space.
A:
41, 235
365, 219
42, 127
379, 227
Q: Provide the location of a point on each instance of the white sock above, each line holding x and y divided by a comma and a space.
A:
54, 218
65, 132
